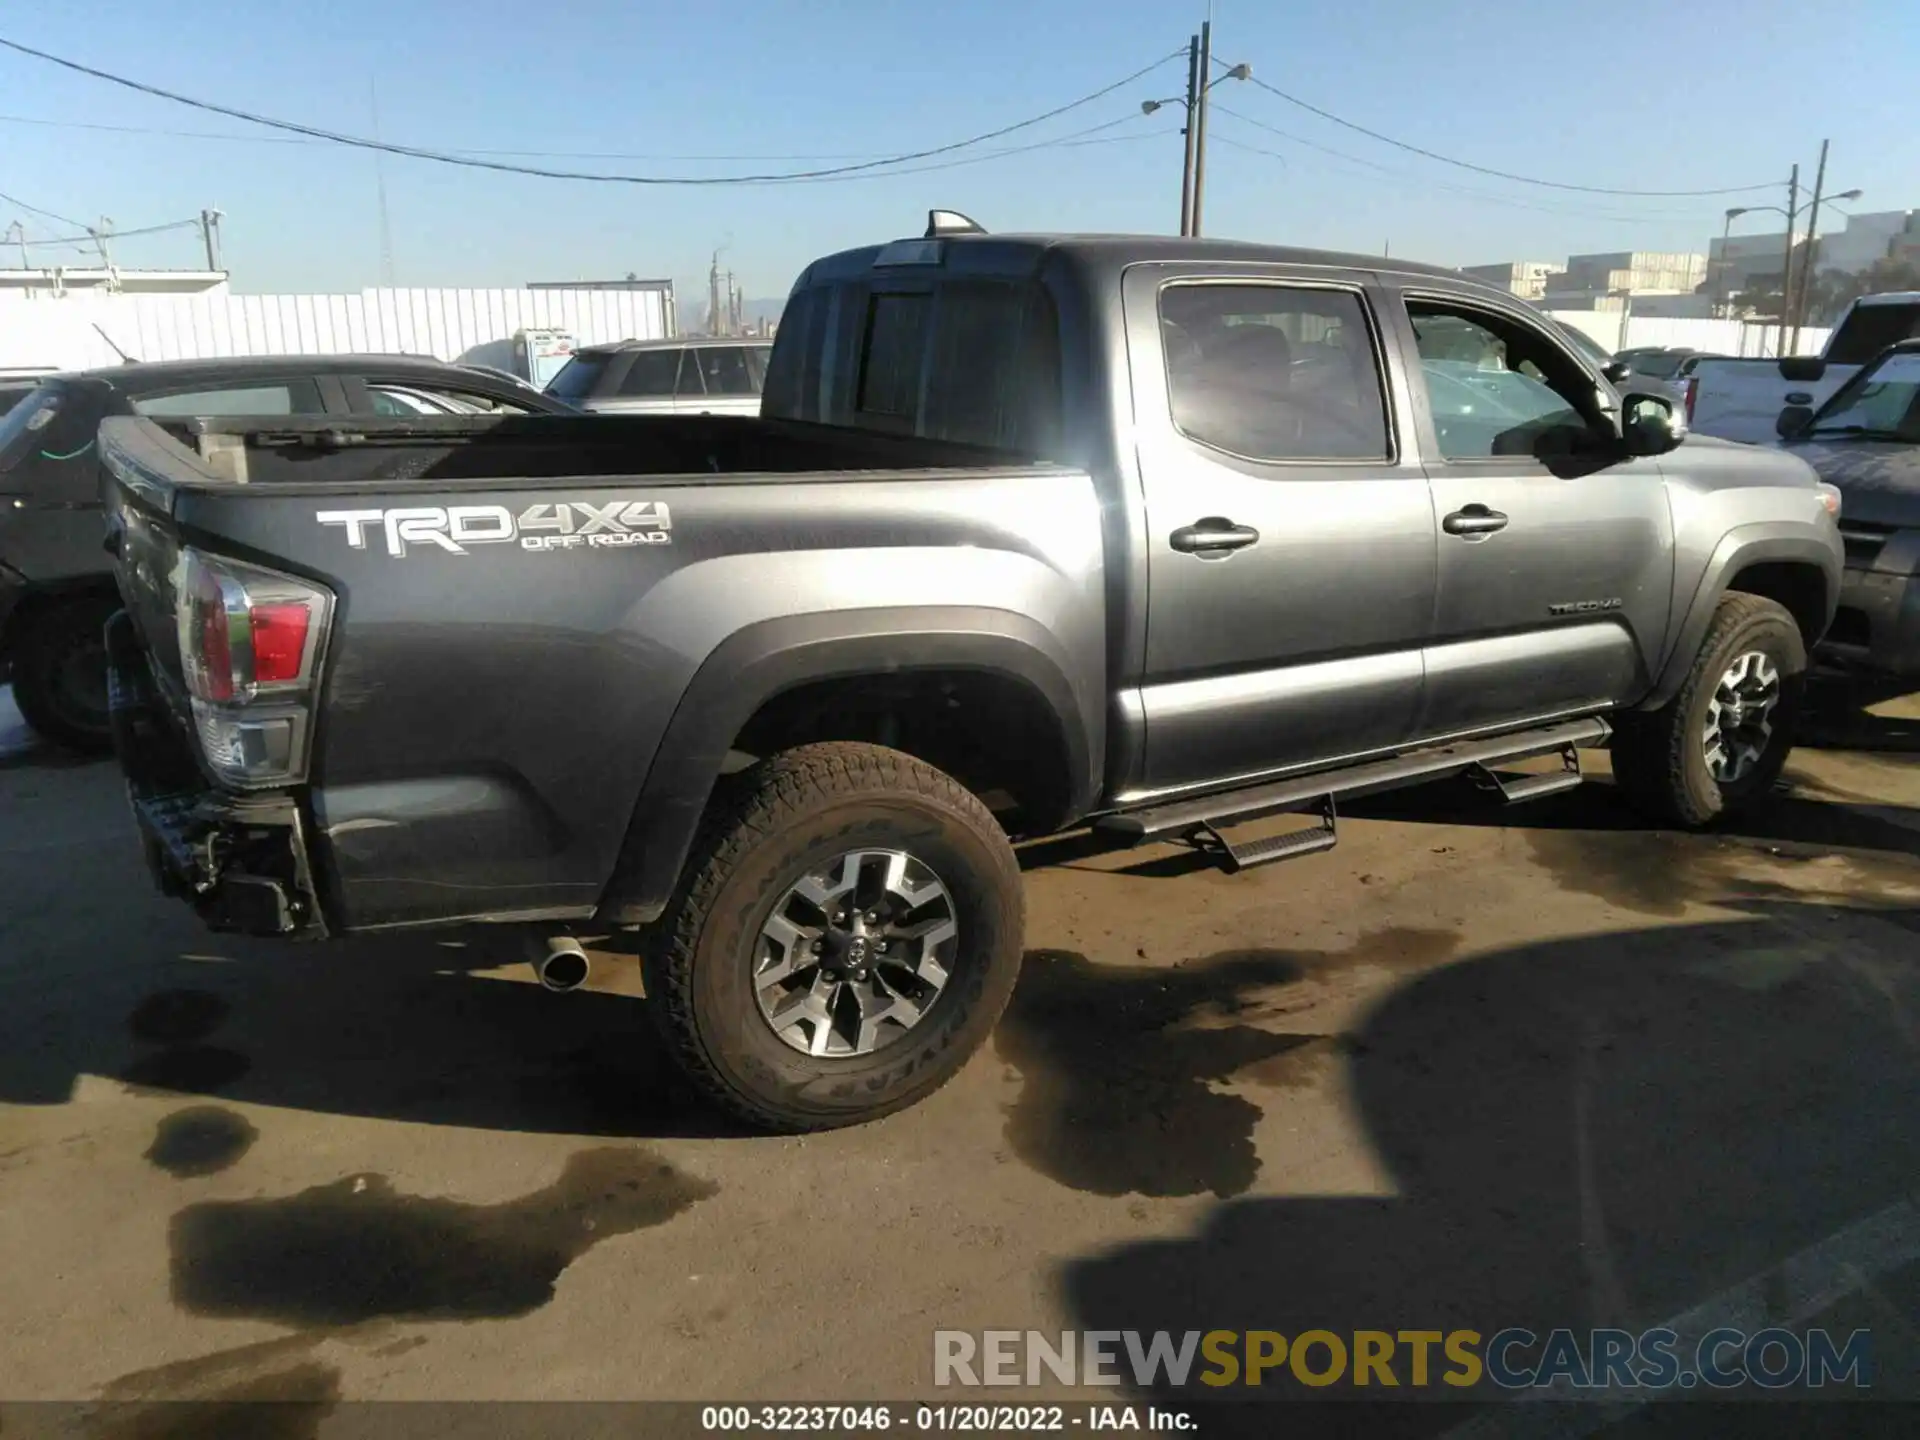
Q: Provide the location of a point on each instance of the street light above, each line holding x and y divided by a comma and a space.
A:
1194, 165
1791, 215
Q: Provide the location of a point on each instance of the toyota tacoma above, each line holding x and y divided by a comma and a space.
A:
1154, 536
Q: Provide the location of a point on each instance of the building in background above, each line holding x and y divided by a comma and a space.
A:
1525, 278
1745, 262
57, 280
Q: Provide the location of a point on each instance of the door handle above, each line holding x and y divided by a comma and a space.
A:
1212, 537
1474, 520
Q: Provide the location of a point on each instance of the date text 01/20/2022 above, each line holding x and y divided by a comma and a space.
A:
965, 1419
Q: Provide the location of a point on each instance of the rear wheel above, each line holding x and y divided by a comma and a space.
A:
1718, 746
60, 671
848, 931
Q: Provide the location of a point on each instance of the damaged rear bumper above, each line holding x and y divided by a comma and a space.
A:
239, 860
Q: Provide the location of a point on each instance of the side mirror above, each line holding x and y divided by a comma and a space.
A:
1792, 420
1804, 368
1652, 426
1616, 371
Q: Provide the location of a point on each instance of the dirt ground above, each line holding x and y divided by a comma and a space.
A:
1474, 1067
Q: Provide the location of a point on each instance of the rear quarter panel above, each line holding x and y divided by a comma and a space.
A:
488, 718
1741, 399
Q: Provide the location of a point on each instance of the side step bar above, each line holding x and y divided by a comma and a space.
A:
1200, 822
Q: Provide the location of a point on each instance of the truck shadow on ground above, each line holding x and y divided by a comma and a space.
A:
1598, 1131
393, 1030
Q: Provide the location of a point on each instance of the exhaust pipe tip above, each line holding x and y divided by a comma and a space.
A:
563, 965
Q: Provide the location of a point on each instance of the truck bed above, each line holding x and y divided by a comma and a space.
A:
523, 607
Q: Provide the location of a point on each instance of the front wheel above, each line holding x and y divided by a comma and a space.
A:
1719, 745
847, 933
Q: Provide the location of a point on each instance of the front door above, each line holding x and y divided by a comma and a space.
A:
1290, 536
1555, 568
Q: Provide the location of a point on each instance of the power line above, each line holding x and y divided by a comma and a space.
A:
42, 120
1486, 169
477, 163
47, 214
1423, 180
1074, 140
116, 235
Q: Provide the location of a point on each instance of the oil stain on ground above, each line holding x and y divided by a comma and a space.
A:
200, 1141
358, 1250
273, 1390
1665, 874
179, 1020
1120, 1064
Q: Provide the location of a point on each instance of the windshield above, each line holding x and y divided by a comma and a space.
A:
1882, 400
579, 376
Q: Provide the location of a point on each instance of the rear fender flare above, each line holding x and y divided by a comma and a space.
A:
757, 663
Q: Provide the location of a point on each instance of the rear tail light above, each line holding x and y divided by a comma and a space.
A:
1693, 391
250, 644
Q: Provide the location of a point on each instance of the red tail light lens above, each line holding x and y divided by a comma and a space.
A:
1693, 389
250, 641
279, 640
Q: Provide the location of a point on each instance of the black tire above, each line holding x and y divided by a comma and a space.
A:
60, 672
1660, 756
767, 828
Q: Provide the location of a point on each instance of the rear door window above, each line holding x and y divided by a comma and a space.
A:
725, 370
1274, 372
651, 375
994, 378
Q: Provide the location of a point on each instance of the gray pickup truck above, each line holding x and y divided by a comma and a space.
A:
1155, 536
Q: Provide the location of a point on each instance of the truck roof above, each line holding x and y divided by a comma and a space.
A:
1891, 297
1117, 251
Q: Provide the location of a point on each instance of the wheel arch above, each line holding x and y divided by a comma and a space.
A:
757, 665
1780, 562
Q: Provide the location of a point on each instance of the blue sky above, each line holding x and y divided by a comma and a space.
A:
1694, 94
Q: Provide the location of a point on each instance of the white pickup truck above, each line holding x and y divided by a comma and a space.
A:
1742, 399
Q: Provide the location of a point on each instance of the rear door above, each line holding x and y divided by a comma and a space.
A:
1290, 536
1555, 576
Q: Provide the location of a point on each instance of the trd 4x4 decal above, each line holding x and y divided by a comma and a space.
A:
550, 525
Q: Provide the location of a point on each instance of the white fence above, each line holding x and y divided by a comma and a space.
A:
77, 330
1717, 337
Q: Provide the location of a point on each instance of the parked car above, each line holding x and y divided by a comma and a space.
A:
1741, 399
666, 377
1657, 362
1865, 441
1034, 532
1617, 368
56, 590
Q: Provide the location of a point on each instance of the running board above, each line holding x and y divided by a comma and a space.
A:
1199, 821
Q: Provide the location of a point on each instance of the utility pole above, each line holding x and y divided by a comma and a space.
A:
713, 295
1807, 273
1786, 270
103, 237
18, 231
210, 236
380, 187
1186, 136
1199, 122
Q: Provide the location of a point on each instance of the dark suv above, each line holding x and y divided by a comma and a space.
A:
56, 590
720, 376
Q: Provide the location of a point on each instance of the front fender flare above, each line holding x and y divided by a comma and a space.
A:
1766, 542
760, 661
